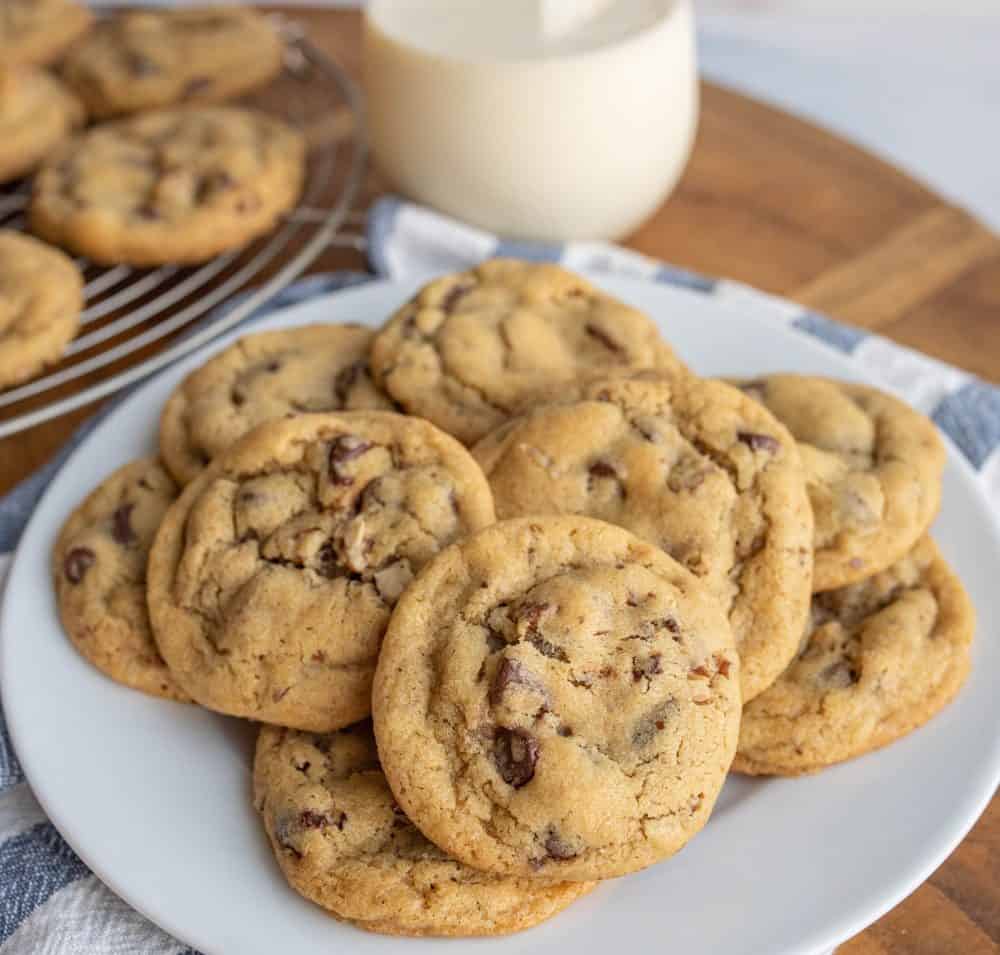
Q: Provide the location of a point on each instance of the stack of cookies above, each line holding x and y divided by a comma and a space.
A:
163, 176
511, 590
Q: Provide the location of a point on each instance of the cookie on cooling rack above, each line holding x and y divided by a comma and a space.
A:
881, 657
343, 843
99, 566
469, 348
36, 113
41, 294
272, 578
873, 470
39, 31
261, 377
174, 186
149, 59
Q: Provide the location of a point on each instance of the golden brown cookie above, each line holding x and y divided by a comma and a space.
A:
264, 376
99, 567
36, 32
147, 59
36, 113
880, 659
41, 294
273, 576
174, 186
691, 466
470, 348
343, 842
873, 469
557, 699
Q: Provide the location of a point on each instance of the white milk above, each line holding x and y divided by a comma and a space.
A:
552, 123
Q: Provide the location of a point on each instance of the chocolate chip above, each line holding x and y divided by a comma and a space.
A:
723, 665
321, 820
646, 667
329, 563
515, 753
346, 379
78, 561
138, 64
511, 673
558, 848
839, 675
604, 338
454, 296
494, 640
601, 469
548, 649
654, 722
759, 442
531, 614
148, 213
564, 730
343, 449
196, 86
121, 524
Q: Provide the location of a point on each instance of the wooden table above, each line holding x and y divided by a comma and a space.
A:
778, 203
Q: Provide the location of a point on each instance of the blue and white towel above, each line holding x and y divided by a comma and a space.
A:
49, 901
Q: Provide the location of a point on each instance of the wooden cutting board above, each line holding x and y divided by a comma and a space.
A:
776, 202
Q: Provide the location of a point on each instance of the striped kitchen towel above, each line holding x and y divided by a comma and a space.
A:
50, 903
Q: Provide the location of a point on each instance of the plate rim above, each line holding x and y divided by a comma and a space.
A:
841, 927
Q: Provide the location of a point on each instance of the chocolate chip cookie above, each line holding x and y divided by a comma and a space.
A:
873, 469
99, 567
264, 376
147, 59
343, 842
36, 32
36, 113
691, 466
880, 659
557, 699
175, 186
470, 348
272, 578
41, 294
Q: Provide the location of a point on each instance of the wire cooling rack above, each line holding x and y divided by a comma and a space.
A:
133, 319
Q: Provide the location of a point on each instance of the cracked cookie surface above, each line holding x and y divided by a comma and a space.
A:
99, 569
261, 377
36, 113
148, 59
343, 842
469, 348
41, 294
36, 32
691, 466
557, 699
272, 578
873, 470
169, 187
880, 659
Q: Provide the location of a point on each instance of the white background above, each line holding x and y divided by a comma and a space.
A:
917, 81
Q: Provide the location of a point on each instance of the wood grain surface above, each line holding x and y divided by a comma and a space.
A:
776, 202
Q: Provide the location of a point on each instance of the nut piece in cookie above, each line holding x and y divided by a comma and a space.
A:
470, 348
36, 113
37, 32
273, 577
169, 187
148, 59
264, 376
41, 295
873, 470
881, 657
343, 842
99, 568
692, 466
557, 699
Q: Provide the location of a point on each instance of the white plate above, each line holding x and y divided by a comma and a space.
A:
155, 796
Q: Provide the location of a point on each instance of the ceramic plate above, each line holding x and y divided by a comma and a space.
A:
155, 796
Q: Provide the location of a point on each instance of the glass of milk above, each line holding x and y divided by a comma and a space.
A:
536, 119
